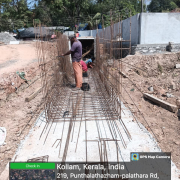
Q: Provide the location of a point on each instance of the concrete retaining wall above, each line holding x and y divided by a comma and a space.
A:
135, 29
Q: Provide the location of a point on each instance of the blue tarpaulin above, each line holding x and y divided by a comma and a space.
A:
83, 27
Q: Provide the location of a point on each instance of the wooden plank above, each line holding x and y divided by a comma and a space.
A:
165, 105
32, 96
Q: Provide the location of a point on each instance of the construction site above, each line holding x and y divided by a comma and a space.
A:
131, 101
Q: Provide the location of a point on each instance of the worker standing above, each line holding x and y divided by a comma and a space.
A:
76, 54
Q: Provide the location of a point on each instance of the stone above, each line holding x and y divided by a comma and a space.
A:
178, 103
110, 62
151, 89
144, 51
173, 86
169, 95
177, 66
8, 149
176, 142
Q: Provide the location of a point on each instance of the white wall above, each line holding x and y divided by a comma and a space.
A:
146, 28
84, 33
160, 28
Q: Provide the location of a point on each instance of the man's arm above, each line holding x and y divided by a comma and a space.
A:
69, 52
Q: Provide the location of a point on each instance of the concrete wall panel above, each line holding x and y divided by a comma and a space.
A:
160, 28
135, 29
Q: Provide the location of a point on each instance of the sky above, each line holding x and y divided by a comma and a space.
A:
32, 3
147, 2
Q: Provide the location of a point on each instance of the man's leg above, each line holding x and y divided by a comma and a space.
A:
78, 73
74, 68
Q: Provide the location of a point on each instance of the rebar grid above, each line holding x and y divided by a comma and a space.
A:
83, 109
98, 110
111, 48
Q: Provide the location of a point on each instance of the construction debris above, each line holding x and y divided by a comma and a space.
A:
160, 102
39, 159
32, 96
6, 38
173, 86
21, 75
178, 103
177, 66
169, 95
151, 89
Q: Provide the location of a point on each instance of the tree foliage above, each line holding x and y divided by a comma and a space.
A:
177, 2
162, 5
16, 14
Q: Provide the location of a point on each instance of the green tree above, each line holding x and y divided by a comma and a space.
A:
138, 5
42, 13
154, 6
177, 2
161, 5
93, 21
173, 5
66, 11
15, 14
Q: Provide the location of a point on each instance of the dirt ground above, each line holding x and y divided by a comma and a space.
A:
14, 57
17, 116
158, 71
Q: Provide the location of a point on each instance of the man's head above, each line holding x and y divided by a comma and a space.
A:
72, 37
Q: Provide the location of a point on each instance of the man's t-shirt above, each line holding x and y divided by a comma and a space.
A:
84, 66
76, 51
